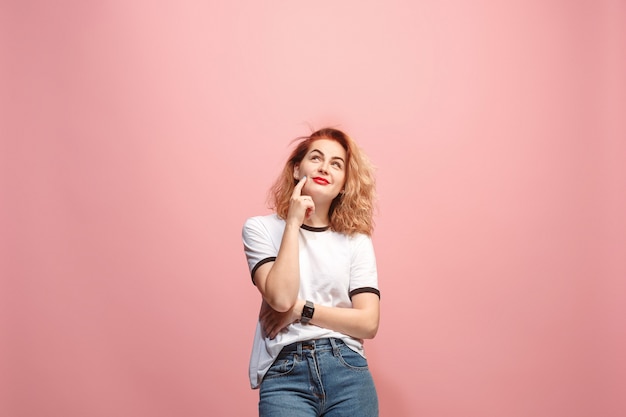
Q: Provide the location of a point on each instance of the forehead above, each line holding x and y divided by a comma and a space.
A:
328, 147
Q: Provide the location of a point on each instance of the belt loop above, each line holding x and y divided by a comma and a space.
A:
333, 342
299, 349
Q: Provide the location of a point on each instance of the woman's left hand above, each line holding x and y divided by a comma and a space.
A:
272, 321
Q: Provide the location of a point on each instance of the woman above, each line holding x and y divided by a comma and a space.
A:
313, 263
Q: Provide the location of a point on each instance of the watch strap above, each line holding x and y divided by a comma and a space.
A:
307, 312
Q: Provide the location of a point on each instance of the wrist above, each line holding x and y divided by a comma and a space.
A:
297, 310
307, 312
292, 226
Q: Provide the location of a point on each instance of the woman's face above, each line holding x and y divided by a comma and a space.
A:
325, 168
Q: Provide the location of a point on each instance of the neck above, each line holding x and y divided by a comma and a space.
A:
319, 218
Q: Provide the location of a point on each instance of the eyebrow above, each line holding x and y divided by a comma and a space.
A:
334, 157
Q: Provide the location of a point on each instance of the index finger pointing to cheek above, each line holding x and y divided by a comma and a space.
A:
298, 188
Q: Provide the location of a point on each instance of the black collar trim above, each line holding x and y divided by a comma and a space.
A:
315, 229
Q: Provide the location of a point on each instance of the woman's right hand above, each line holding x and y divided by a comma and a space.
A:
300, 206
273, 322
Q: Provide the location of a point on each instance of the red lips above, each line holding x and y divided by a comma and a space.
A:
321, 181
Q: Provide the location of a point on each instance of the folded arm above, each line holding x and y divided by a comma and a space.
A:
360, 321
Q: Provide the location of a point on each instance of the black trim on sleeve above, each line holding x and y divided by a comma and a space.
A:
261, 262
364, 289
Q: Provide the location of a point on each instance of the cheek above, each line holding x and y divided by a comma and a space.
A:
341, 179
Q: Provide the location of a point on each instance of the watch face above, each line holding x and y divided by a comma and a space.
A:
307, 311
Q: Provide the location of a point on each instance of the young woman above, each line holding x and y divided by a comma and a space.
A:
313, 263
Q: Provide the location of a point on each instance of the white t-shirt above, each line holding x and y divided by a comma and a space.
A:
333, 268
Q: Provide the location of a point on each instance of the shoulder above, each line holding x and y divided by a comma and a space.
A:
269, 222
359, 239
361, 243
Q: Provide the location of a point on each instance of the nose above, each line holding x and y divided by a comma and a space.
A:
323, 168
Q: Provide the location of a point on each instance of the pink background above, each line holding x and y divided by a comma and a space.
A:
136, 139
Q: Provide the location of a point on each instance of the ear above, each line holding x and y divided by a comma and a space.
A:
296, 172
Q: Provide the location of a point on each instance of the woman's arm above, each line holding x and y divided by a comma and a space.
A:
361, 321
279, 281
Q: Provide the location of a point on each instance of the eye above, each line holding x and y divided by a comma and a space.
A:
337, 164
315, 158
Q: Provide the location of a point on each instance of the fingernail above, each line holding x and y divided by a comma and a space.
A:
304, 177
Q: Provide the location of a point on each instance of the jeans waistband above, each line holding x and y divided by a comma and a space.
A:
329, 342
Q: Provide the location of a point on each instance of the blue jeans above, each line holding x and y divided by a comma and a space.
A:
317, 378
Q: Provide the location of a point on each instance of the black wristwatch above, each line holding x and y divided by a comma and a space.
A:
307, 312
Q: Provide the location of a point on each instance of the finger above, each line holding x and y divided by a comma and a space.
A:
267, 330
263, 309
297, 191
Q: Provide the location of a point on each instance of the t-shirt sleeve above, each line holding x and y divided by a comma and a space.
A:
363, 271
258, 245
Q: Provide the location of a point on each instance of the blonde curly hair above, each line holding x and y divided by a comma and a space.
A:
352, 211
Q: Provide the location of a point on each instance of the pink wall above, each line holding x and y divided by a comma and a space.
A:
137, 138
